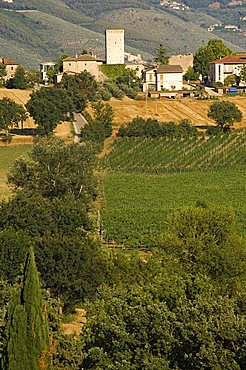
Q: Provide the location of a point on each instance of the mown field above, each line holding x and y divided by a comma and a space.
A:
140, 192
8, 155
170, 110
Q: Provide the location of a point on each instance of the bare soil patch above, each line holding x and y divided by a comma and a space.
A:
75, 327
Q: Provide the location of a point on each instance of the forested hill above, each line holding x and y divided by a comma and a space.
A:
32, 31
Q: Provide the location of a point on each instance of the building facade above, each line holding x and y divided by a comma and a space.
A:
85, 62
168, 77
115, 46
44, 67
230, 65
10, 67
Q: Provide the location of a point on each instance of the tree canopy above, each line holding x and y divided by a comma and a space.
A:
161, 57
224, 113
19, 80
48, 107
11, 113
215, 49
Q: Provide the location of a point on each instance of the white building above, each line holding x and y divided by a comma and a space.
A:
44, 67
115, 46
168, 77
230, 65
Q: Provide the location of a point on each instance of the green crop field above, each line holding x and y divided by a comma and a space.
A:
145, 179
136, 205
8, 154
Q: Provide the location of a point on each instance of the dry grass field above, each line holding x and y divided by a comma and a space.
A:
170, 110
21, 97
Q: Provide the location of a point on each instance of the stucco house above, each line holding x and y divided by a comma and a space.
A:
167, 77
10, 68
230, 65
44, 67
85, 62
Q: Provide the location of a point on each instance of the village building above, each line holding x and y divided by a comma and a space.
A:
230, 65
85, 62
166, 77
10, 67
44, 67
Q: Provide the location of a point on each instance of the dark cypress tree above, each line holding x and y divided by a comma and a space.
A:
26, 334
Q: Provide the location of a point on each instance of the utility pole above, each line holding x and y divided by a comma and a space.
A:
146, 104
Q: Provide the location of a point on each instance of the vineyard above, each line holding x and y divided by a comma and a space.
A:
169, 155
145, 179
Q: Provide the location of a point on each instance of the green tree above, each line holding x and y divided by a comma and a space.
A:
72, 266
230, 80
133, 327
243, 74
32, 77
11, 114
13, 249
204, 241
37, 215
191, 74
81, 88
26, 333
100, 127
3, 73
19, 80
49, 107
215, 49
224, 113
161, 58
57, 169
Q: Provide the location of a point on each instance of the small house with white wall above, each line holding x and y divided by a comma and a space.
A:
166, 77
230, 65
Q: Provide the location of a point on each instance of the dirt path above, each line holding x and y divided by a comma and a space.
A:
75, 327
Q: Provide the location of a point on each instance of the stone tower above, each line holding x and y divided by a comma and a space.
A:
115, 47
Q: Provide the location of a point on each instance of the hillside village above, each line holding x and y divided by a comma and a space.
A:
122, 205
158, 80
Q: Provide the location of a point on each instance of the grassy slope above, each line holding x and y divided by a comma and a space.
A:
146, 29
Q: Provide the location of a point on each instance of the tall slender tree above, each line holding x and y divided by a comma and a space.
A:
26, 333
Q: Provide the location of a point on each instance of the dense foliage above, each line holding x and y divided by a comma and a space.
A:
139, 127
100, 126
225, 113
215, 49
48, 107
26, 332
11, 114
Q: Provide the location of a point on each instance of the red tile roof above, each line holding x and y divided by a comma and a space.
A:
8, 62
233, 59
